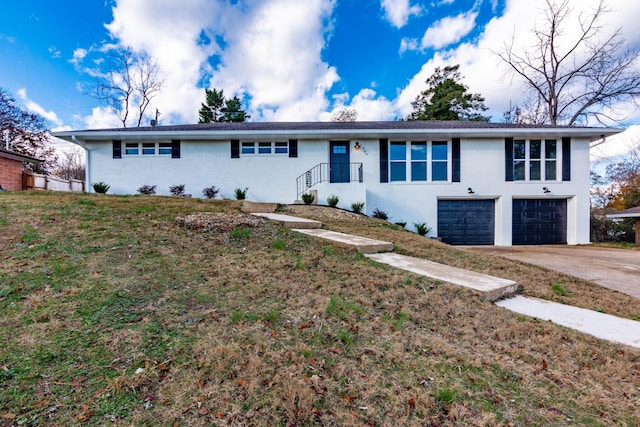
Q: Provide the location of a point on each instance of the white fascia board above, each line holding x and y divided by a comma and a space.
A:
629, 215
208, 135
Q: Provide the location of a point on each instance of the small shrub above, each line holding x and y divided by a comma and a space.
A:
377, 213
308, 198
333, 200
177, 190
147, 190
101, 187
241, 193
357, 207
240, 233
560, 290
422, 228
210, 192
401, 224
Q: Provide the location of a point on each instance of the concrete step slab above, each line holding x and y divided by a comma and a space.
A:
256, 207
289, 221
599, 325
362, 244
491, 288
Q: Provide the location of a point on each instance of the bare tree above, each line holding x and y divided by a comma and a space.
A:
576, 77
25, 133
128, 83
345, 114
71, 166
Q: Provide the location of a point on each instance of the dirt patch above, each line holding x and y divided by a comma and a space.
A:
221, 222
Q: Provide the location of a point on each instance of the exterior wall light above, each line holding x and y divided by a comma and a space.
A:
545, 190
470, 190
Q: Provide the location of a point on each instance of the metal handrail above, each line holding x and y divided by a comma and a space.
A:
322, 173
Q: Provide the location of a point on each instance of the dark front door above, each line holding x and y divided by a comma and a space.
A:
339, 161
466, 222
539, 222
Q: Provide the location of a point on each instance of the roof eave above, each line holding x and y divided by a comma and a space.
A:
591, 133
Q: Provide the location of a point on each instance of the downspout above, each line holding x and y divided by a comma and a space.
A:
87, 162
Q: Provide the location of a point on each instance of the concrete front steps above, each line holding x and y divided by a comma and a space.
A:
362, 244
289, 221
489, 287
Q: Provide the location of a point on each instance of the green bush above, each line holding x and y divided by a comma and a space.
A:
308, 198
357, 207
241, 193
377, 213
333, 200
422, 228
101, 187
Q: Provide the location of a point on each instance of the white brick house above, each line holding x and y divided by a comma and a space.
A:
471, 182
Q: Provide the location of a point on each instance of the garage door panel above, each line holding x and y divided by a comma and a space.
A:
539, 221
466, 222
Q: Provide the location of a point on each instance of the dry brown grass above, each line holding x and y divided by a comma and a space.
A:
257, 325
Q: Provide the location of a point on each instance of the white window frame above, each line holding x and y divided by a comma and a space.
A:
142, 146
543, 160
264, 148
408, 161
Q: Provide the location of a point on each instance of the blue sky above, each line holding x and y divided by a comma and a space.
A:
287, 59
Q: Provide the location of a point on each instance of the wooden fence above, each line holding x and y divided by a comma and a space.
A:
31, 181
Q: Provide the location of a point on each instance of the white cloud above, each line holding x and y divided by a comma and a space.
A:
398, 12
265, 52
448, 30
36, 108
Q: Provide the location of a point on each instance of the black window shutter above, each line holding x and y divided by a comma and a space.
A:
293, 148
117, 149
455, 162
384, 160
508, 159
175, 148
566, 158
235, 149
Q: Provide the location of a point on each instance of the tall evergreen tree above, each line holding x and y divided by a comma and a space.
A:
447, 99
212, 110
219, 109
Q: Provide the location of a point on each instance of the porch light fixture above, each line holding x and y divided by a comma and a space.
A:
545, 190
470, 190
357, 146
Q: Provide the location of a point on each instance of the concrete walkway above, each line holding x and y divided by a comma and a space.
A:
362, 244
491, 288
289, 221
600, 325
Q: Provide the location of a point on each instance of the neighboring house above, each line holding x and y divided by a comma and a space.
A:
472, 182
629, 213
11, 169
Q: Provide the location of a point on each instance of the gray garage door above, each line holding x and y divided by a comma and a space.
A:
466, 222
539, 222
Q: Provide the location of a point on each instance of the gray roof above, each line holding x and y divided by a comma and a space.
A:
347, 130
17, 156
363, 125
627, 213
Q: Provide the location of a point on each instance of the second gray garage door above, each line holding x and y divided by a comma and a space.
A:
540, 222
466, 222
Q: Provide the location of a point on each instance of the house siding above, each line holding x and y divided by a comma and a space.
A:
10, 174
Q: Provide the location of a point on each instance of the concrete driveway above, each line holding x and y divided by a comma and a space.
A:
617, 269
